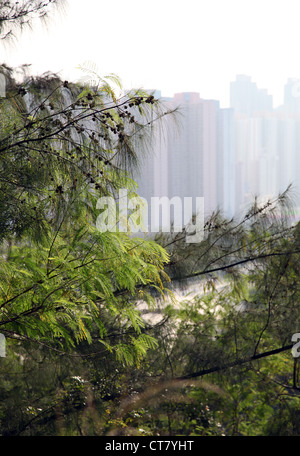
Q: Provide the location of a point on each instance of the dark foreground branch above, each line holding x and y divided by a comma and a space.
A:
237, 263
238, 362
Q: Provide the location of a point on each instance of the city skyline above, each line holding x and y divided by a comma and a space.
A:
231, 155
198, 48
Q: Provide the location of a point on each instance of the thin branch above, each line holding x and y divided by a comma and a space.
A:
238, 362
237, 263
270, 302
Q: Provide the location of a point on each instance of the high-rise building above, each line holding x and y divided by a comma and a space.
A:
228, 156
198, 159
246, 98
256, 144
226, 162
292, 96
192, 153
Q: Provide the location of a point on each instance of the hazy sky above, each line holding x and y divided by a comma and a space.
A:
170, 45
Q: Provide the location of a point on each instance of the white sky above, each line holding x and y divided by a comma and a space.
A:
170, 45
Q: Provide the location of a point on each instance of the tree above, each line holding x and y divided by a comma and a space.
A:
69, 292
224, 355
228, 347
59, 273
14, 16
68, 287
63, 282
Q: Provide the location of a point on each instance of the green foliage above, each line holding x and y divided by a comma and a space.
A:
60, 277
82, 360
68, 290
15, 16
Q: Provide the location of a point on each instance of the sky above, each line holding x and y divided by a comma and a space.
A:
169, 45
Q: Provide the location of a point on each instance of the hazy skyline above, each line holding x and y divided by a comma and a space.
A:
172, 46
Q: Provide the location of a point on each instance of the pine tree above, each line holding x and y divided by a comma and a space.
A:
15, 16
62, 148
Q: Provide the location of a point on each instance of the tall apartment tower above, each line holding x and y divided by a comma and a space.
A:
192, 153
246, 98
255, 141
197, 159
292, 96
202, 158
226, 162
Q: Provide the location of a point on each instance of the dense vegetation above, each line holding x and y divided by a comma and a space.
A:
81, 357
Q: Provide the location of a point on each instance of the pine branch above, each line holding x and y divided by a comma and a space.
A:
238, 362
237, 263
